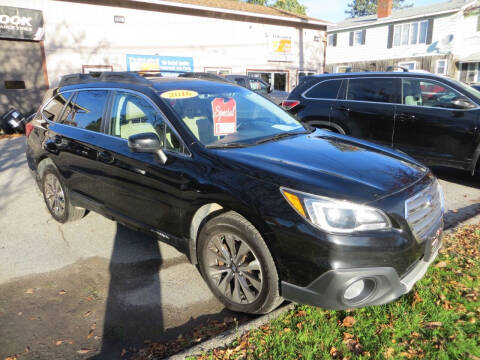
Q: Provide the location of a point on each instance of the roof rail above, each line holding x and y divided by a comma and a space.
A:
392, 68
104, 76
352, 69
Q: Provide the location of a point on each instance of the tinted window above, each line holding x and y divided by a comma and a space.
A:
54, 107
419, 92
258, 86
325, 90
85, 110
132, 114
240, 81
370, 89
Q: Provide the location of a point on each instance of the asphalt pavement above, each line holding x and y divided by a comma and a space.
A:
92, 288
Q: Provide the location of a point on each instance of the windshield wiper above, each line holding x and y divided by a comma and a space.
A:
280, 136
228, 146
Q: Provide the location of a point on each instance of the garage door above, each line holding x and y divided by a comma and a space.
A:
22, 81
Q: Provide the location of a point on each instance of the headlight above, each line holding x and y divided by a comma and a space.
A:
336, 215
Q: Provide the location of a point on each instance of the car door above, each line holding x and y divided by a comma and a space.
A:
430, 127
368, 110
140, 190
74, 141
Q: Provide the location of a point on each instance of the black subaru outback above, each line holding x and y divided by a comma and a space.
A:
268, 208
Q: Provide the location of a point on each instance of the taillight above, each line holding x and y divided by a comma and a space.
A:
289, 104
28, 128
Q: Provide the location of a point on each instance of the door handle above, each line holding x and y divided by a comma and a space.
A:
402, 117
105, 157
344, 108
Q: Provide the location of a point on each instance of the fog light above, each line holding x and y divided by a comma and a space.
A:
359, 290
354, 290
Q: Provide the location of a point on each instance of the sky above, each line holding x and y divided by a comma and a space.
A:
334, 10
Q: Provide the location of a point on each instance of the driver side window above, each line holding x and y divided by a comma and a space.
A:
132, 114
418, 92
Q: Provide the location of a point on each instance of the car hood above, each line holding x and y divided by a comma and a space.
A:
328, 164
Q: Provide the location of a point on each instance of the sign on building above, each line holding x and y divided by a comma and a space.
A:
159, 63
20, 23
280, 48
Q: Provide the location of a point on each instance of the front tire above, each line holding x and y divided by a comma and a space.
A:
57, 199
237, 265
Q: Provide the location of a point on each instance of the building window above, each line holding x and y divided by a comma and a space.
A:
332, 40
410, 34
218, 70
470, 72
341, 69
441, 67
358, 38
410, 65
88, 69
302, 73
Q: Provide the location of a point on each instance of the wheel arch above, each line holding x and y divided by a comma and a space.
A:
475, 157
327, 124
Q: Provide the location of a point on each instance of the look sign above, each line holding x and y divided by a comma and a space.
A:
224, 116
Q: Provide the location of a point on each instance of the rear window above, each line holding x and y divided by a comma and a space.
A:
371, 89
325, 90
85, 110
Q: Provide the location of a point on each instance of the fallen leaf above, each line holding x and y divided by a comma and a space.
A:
13, 357
87, 314
287, 330
62, 292
301, 313
334, 353
349, 321
441, 264
59, 342
347, 336
29, 291
90, 334
83, 351
94, 326
20, 313
299, 325
472, 320
388, 352
433, 324
416, 299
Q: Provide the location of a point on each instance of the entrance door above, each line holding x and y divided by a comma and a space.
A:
278, 79
22, 82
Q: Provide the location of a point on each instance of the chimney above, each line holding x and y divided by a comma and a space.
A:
384, 8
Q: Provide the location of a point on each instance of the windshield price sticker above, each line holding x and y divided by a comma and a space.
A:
224, 116
179, 94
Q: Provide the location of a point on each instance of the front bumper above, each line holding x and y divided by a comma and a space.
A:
327, 291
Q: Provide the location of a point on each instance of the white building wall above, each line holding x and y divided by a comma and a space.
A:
83, 34
443, 37
468, 37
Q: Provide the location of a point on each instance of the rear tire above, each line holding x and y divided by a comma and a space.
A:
56, 196
237, 265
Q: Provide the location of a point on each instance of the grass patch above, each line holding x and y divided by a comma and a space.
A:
438, 319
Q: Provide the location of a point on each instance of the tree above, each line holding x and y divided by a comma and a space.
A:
369, 7
289, 5
292, 6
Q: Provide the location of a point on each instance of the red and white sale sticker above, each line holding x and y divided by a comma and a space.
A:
224, 116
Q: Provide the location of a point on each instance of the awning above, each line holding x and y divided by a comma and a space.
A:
471, 58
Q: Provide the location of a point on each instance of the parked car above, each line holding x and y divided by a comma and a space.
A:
432, 118
259, 86
268, 208
476, 86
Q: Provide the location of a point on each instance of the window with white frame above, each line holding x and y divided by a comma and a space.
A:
332, 40
411, 33
410, 65
218, 70
358, 38
341, 69
441, 67
470, 72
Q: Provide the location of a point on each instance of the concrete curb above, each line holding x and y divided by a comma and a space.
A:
227, 337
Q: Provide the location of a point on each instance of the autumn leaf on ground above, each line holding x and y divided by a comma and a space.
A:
416, 299
83, 351
62, 292
433, 324
388, 352
354, 346
59, 342
13, 357
334, 353
87, 314
441, 264
349, 321
29, 291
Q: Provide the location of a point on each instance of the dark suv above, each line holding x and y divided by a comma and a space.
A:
432, 118
268, 208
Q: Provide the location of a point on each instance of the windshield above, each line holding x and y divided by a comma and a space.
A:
222, 115
468, 89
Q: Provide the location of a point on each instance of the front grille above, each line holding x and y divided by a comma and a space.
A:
424, 211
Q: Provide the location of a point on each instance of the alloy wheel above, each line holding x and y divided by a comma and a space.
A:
54, 195
234, 268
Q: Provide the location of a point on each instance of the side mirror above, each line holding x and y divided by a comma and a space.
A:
462, 104
147, 143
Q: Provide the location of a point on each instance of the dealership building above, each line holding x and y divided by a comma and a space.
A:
40, 40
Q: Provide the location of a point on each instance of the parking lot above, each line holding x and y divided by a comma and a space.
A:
94, 287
